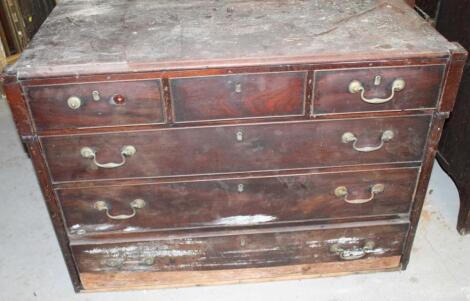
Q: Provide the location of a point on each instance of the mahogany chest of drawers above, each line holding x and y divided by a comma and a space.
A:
202, 142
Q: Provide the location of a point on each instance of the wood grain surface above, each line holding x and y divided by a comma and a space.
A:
213, 150
283, 247
146, 35
422, 88
235, 203
238, 96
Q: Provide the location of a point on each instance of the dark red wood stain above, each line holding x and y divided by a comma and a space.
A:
211, 150
331, 94
241, 202
238, 96
120, 103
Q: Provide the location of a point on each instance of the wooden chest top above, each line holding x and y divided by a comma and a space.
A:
108, 36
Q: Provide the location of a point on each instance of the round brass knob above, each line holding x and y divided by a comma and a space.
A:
74, 102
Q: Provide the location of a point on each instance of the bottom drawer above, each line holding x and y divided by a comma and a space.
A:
265, 248
151, 280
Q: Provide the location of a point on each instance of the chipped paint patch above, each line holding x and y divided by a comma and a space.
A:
251, 251
190, 241
378, 251
344, 240
313, 243
103, 227
175, 253
111, 251
244, 220
132, 229
146, 251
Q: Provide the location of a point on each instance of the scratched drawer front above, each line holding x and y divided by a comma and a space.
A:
280, 247
421, 89
238, 96
207, 150
242, 202
96, 104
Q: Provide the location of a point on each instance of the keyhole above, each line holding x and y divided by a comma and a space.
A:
238, 88
377, 80
239, 136
241, 187
95, 95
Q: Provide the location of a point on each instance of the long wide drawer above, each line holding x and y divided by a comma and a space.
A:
240, 202
240, 148
282, 246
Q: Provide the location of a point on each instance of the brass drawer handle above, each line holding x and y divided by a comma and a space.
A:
342, 192
354, 253
349, 137
115, 263
356, 86
126, 151
135, 204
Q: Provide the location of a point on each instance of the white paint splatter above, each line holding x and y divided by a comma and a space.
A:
190, 241
132, 229
251, 250
244, 220
110, 251
175, 253
103, 227
344, 240
378, 251
137, 251
313, 243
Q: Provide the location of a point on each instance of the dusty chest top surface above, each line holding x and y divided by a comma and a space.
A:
99, 36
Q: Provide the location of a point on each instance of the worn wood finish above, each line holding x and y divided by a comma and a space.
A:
159, 35
145, 280
242, 202
433, 138
284, 247
331, 94
12, 89
140, 104
234, 176
238, 96
454, 76
196, 141
186, 151
36, 154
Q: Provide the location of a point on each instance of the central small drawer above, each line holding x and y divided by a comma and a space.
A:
282, 246
238, 96
240, 148
240, 202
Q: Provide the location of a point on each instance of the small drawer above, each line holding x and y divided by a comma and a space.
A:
376, 89
238, 96
239, 148
242, 202
282, 246
96, 104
